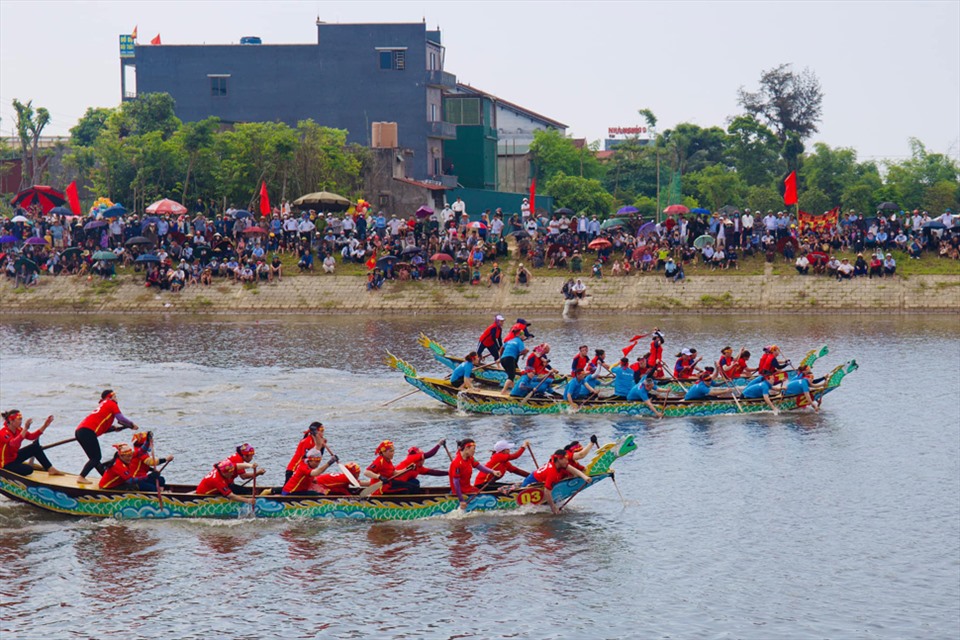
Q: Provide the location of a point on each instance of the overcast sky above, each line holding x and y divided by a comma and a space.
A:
889, 70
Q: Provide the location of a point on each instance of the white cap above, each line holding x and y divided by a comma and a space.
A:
313, 453
499, 318
686, 352
501, 445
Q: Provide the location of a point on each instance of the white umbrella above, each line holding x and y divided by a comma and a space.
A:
20, 219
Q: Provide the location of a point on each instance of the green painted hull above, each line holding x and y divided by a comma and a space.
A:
55, 495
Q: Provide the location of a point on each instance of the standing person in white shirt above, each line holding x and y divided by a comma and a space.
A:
525, 210
746, 223
496, 228
582, 224
459, 208
446, 215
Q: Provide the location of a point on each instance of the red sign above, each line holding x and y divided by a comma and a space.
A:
626, 131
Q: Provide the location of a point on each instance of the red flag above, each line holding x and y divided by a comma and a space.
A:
790, 189
156, 40
73, 198
633, 342
533, 197
134, 34
264, 199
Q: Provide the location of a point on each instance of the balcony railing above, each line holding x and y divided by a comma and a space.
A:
445, 130
441, 79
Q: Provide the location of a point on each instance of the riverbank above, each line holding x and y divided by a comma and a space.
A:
632, 294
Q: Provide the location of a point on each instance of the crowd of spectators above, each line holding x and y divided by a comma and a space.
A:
194, 249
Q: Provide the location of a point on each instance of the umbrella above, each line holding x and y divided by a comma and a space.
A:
384, 262
563, 211
138, 240
703, 241
627, 211
46, 197
61, 211
115, 211
599, 243
148, 220
700, 210
26, 264
9, 240
676, 209
424, 212
476, 225
104, 255
409, 251
167, 206
255, 230
148, 257
647, 229
69, 251
818, 257
520, 234
442, 257
933, 224
322, 197
34, 240
96, 224
20, 219
888, 206
242, 213
614, 223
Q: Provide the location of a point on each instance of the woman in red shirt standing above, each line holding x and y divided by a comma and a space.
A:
95, 425
13, 457
312, 439
462, 468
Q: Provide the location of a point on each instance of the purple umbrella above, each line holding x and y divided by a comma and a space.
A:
424, 212
35, 240
628, 210
9, 240
96, 224
647, 229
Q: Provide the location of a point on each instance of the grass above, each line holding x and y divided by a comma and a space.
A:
102, 287
725, 300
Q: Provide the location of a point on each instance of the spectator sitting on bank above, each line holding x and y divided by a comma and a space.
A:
579, 290
832, 267
672, 270
306, 259
374, 279
845, 270
567, 289
496, 275
860, 266
576, 262
598, 270
802, 265
329, 264
876, 266
889, 266
523, 276
615, 269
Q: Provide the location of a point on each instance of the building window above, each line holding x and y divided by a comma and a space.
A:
218, 86
393, 59
433, 113
463, 110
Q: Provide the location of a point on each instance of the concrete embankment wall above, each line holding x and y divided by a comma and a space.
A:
347, 294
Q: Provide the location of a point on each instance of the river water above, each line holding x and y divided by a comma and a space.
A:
843, 524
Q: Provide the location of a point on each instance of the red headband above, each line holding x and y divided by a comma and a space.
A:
383, 446
13, 416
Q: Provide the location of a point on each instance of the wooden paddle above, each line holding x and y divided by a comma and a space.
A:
533, 457
373, 488
448, 451
153, 456
399, 398
533, 391
342, 467
733, 388
57, 444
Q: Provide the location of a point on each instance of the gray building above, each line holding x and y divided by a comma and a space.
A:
355, 75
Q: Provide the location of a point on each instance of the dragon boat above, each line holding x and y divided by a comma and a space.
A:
492, 375
62, 494
493, 402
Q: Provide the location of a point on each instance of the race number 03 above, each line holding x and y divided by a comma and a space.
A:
530, 496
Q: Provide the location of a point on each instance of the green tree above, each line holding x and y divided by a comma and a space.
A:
754, 150
30, 125
631, 171
763, 198
786, 101
910, 179
89, 126
647, 206
148, 112
941, 196
814, 201
717, 186
195, 138
324, 162
580, 194
688, 147
552, 153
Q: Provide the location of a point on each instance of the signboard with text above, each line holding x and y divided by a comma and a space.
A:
126, 46
626, 131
